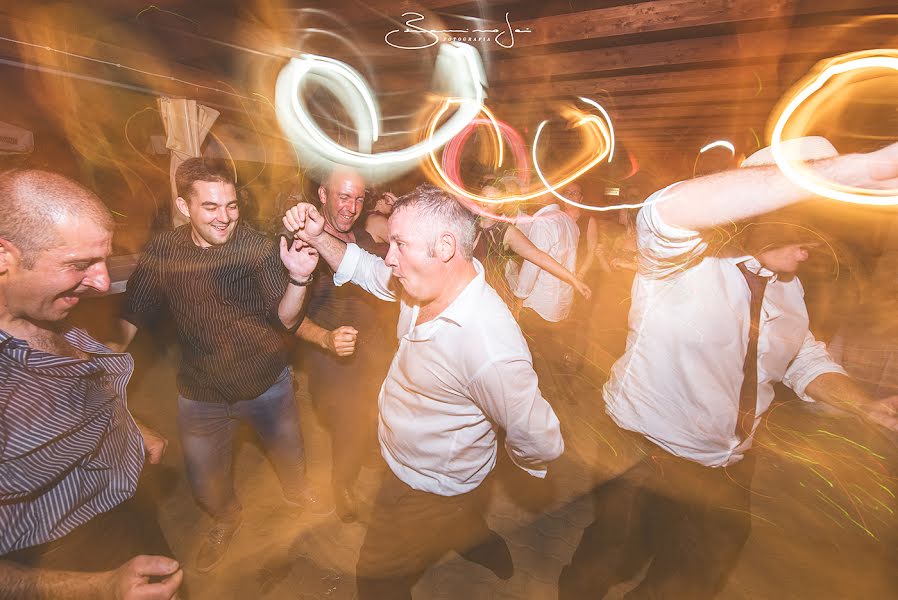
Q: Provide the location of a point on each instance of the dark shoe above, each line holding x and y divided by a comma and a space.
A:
493, 554
216, 544
345, 503
311, 502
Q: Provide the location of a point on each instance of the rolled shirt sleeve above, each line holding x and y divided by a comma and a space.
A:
366, 271
811, 361
507, 391
665, 250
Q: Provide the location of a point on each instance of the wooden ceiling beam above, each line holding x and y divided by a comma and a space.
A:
624, 110
86, 58
769, 44
666, 15
721, 78
620, 101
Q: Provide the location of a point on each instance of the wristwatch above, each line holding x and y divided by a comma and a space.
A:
302, 283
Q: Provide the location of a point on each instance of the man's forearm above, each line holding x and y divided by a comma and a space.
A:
329, 248
313, 333
22, 583
840, 391
290, 308
741, 194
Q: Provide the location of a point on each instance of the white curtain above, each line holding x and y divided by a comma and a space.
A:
15, 140
186, 126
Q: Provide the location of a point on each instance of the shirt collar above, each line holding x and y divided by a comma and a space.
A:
465, 304
754, 266
459, 311
21, 352
547, 208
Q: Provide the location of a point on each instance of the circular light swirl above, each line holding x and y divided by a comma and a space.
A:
601, 129
606, 128
458, 65
453, 150
804, 177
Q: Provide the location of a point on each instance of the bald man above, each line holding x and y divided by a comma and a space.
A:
344, 380
71, 454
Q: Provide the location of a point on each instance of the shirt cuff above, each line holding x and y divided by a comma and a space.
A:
800, 384
537, 471
347, 266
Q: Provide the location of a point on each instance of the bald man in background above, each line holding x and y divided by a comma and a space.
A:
350, 356
71, 455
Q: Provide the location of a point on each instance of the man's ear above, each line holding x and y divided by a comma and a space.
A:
9, 255
446, 246
182, 206
322, 194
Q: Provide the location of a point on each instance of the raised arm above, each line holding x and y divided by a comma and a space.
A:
741, 194
300, 261
523, 247
307, 224
349, 262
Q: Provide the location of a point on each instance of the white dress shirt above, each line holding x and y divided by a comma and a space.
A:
556, 234
679, 380
454, 380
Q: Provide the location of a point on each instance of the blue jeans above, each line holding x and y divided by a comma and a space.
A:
207, 436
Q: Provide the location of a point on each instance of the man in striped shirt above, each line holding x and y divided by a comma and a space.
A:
233, 298
70, 452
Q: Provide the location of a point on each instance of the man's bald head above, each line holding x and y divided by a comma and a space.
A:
34, 204
340, 174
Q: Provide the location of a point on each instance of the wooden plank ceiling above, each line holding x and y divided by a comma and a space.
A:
675, 74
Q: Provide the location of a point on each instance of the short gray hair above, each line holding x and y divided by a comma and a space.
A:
442, 212
33, 202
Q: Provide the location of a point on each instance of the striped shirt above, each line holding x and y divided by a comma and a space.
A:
69, 449
224, 301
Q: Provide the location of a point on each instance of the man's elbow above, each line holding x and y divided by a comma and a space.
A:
546, 447
555, 449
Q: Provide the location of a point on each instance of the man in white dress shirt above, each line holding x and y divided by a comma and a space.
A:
546, 301
710, 334
462, 371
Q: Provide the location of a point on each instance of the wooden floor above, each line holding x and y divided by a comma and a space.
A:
823, 525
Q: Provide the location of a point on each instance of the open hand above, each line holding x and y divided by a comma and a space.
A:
299, 258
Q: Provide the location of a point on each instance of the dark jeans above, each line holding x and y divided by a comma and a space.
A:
207, 435
105, 542
691, 521
411, 530
344, 391
550, 343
